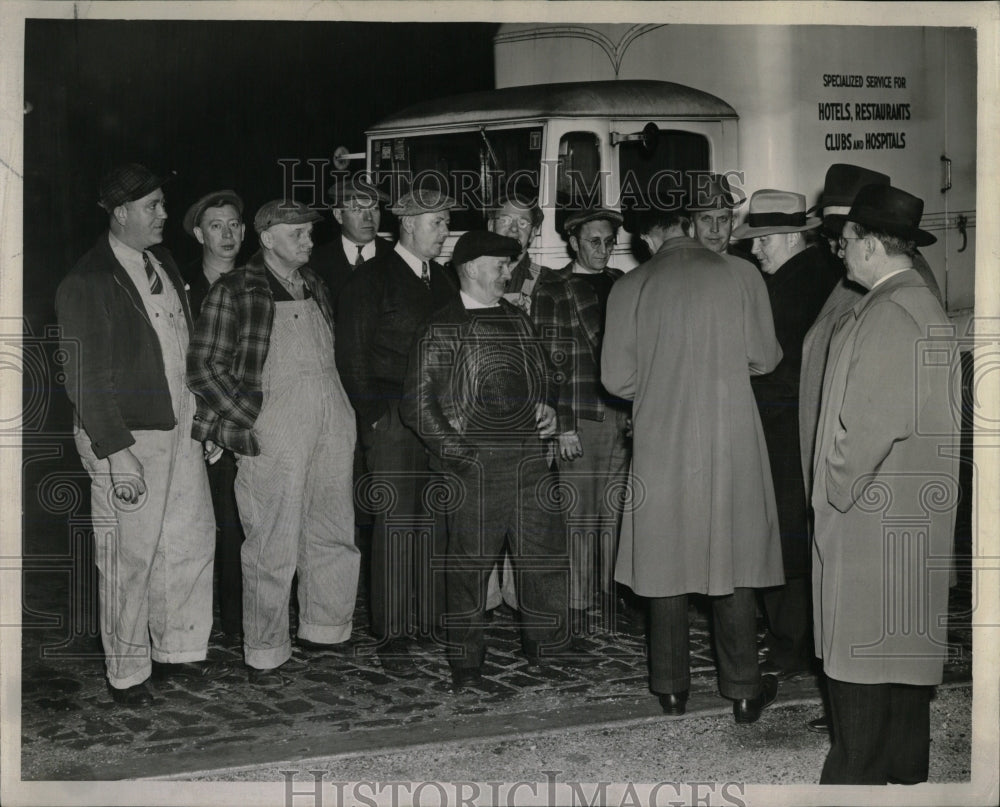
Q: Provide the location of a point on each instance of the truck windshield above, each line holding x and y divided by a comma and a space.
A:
474, 167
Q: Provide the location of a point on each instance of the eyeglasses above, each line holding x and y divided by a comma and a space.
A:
845, 238
506, 220
597, 243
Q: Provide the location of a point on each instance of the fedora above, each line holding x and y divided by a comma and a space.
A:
712, 192
774, 212
215, 199
843, 181
892, 211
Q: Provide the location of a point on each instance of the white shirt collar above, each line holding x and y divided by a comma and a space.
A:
580, 270
351, 250
473, 305
882, 280
411, 260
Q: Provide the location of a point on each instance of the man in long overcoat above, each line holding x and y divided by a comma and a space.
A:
884, 495
684, 332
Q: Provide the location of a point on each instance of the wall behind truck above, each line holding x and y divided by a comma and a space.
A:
894, 99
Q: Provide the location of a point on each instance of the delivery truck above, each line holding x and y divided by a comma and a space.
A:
618, 115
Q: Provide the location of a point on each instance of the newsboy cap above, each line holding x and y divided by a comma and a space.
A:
283, 211
773, 212
422, 201
340, 193
843, 181
712, 192
215, 199
126, 183
581, 217
477, 243
892, 211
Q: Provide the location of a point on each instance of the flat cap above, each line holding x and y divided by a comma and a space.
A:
126, 183
422, 201
214, 199
340, 193
581, 217
477, 243
283, 211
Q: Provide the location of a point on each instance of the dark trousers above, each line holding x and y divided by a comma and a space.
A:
734, 621
789, 637
228, 540
406, 588
881, 734
507, 501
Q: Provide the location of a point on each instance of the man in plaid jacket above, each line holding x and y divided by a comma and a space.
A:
592, 455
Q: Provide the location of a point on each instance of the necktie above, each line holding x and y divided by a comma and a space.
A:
425, 273
155, 284
359, 260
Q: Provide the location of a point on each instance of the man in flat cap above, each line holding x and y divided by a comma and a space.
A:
262, 365
216, 222
124, 309
380, 312
799, 276
592, 456
884, 495
682, 327
479, 392
355, 204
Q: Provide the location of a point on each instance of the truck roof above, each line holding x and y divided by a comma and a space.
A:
619, 99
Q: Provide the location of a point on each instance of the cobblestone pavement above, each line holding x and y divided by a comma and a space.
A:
337, 702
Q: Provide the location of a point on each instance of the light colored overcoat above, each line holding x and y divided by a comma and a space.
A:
885, 488
683, 333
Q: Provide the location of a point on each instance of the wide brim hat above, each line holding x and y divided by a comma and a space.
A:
420, 201
214, 199
892, 211
581, 217
127, 183
841, 186
283, 211
773, 212
712, 192
340, 193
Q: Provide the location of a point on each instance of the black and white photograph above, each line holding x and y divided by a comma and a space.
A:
499, 403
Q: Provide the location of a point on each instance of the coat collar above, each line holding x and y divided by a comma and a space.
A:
910, 277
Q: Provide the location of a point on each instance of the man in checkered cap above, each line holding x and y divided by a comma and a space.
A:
124, 310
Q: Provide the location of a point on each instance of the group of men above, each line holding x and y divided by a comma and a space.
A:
494, 429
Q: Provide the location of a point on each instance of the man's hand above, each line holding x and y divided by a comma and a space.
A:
569, 446
126, 476
545, 421
212, 452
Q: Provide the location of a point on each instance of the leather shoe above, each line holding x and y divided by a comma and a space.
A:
770, 667
266, 678
133, 697
821, 725
316, 647
747, 710
674, 703
394, 655
186, 671
462, 677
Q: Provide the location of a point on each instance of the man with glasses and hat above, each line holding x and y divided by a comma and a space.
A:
126, 321
570, 307
884, 495
216, 222
355, 204
799, 277
262, 365
381, 310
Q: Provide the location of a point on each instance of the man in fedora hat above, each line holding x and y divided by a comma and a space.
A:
262, 365
682, 327
356, 209
216, 222
592, 454
124, 308
480, 394
380, 313
799, 277
884, 495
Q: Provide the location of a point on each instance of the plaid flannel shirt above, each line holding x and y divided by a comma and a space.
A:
568, 316
225, 361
